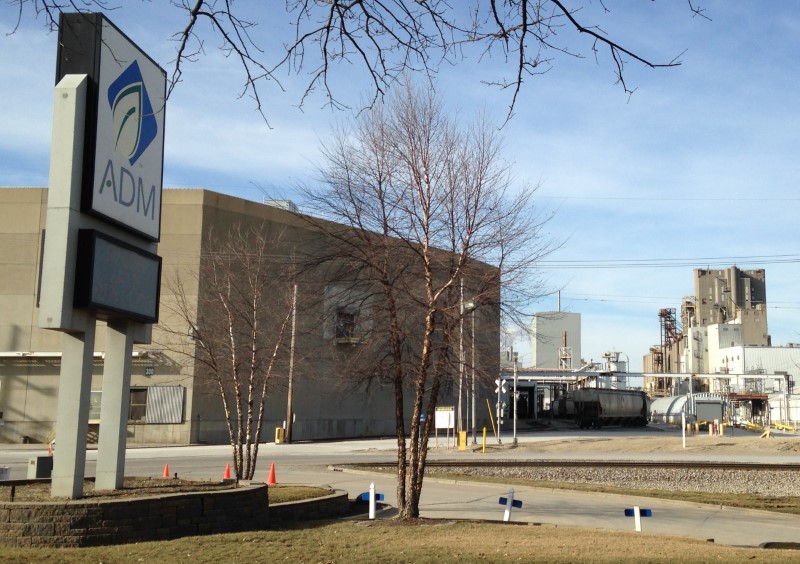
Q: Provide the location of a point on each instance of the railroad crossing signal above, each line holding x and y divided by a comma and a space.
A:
501, 386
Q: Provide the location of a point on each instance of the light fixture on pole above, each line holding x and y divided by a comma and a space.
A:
466, 307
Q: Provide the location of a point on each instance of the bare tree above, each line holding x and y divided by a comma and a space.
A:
385, 39
238, 327
421, 207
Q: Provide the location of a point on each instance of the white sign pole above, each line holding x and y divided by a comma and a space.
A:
72, 423
114, 408
63, 211
683, 427
372, 500
509, 505
637, 518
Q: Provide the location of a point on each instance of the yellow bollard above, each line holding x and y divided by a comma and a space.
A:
484, 440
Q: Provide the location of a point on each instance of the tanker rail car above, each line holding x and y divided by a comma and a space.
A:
596, 407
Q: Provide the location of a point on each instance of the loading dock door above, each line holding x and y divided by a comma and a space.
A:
708, 410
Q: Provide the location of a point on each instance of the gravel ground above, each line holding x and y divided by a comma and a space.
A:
743, 444
767, 483
699, 447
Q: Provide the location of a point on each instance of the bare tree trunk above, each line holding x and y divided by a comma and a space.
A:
424, 205
239, 340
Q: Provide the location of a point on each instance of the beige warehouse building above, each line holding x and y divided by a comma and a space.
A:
170, 402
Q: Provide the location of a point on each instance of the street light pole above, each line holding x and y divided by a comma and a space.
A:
460, 354
474, 435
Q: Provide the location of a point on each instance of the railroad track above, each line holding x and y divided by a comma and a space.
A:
433, 464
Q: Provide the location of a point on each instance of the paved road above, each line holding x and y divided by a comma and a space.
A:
309, 463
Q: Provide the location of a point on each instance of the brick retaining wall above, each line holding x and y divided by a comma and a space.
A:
74, 523
328, 507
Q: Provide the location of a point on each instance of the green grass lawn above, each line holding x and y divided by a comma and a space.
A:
421, 541
443, 541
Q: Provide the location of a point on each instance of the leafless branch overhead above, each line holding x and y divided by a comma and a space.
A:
384, 40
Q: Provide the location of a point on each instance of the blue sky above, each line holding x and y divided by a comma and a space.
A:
697, 168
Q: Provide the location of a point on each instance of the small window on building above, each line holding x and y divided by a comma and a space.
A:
345, 324
138, 405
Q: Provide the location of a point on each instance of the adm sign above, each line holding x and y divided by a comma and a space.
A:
124, 136
103, 224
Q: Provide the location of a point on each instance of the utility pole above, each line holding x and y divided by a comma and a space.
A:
289, 411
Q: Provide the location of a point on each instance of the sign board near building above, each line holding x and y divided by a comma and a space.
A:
103, 225
116, 279
445, 417
124, 136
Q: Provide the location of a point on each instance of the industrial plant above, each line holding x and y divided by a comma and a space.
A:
714, 362
714, 359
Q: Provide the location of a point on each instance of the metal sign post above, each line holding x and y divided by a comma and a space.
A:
516, 399
509, 503
501, 389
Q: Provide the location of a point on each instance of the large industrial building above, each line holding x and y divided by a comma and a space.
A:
714, 358
171, 402
720, 345
556, 340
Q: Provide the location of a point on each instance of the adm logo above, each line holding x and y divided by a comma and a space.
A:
134, 122
133, 129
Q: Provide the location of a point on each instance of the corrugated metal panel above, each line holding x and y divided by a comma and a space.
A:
164, 404
667, 409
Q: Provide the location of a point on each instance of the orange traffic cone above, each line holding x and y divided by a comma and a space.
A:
166, 471
271, 480
227, 474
